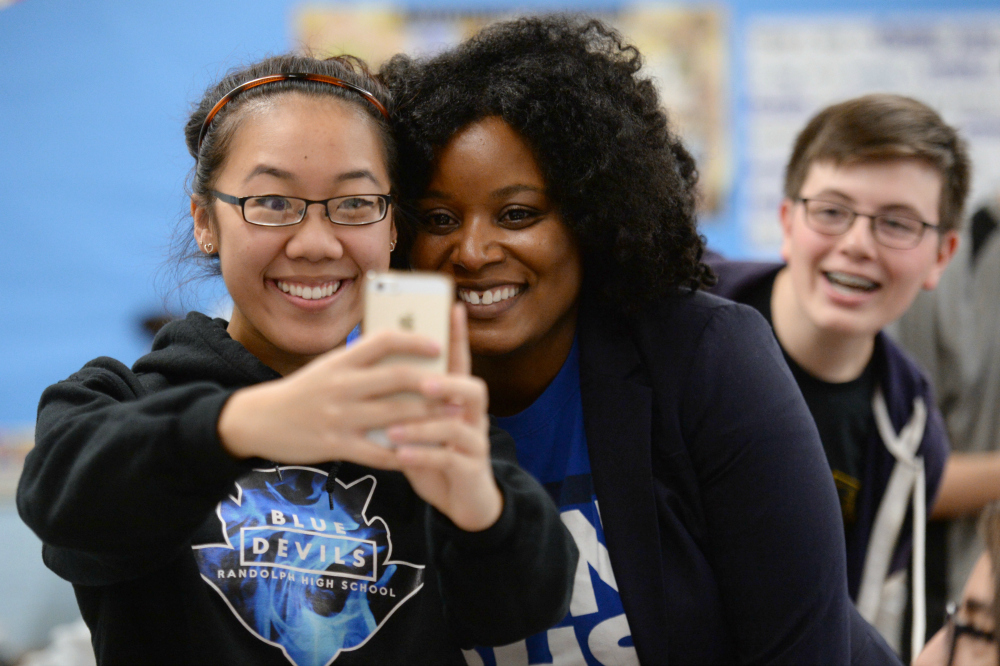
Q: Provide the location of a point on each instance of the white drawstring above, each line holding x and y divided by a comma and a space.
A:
907, 481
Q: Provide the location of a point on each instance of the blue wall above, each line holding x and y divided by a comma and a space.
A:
93, 97
92, 168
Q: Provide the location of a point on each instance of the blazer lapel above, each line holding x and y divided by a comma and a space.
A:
617, 408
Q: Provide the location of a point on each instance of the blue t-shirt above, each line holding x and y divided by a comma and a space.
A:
552, 446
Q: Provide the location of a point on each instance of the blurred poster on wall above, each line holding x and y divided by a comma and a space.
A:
685, 52
799, 64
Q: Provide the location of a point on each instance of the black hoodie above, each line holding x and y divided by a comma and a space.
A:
181, 554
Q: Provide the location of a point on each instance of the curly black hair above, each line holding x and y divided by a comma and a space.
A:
624, 183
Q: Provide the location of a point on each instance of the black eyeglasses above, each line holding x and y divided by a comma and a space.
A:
890, 230
982, 646
272, 210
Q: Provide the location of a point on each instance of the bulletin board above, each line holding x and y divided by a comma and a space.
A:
798, 64
684, 50
103, 89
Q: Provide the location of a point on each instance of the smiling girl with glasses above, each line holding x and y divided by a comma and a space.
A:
219, 502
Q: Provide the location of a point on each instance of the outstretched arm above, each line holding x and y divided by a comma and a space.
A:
119, 474
121, 477
970, 482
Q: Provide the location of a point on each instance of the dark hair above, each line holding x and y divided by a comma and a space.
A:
215, 143
623, 182
880, 127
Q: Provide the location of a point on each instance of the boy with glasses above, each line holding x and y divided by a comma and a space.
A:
874, 193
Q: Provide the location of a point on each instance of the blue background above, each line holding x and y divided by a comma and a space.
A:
93, 99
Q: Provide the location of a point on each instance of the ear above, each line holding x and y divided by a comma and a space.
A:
785, 214
204, 232
945, 251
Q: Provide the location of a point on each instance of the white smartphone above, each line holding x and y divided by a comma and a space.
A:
412, 301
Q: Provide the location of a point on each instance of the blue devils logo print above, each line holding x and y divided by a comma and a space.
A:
304, 577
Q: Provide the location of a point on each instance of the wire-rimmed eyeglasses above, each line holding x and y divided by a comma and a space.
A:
980, 646
888, 229
272, 210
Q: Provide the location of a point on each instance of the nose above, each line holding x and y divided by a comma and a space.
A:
859, 240
477, 245
315, 237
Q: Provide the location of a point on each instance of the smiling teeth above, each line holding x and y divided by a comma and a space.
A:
488, 297
851, 281
308, 293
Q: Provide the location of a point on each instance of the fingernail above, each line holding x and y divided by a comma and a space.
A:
453, 410
396, 432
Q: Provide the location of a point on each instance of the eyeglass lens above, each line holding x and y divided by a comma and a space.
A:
281, 211
889, 230
968, 645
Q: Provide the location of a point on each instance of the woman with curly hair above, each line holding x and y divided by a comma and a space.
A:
546, 180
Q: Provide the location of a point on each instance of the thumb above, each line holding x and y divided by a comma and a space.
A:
459, 357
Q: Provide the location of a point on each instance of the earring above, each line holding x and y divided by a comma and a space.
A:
209, 247
392, 245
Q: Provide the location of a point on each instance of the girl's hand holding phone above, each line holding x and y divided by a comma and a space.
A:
327, 410
456, 475
446, 457
321, 412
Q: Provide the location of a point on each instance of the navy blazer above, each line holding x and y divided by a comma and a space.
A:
721, 517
